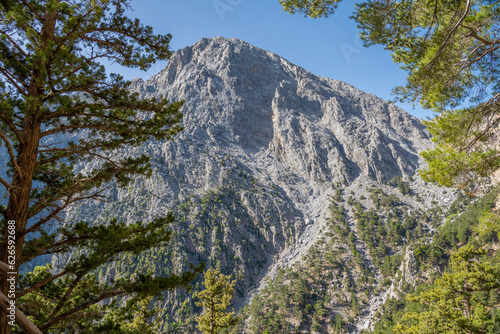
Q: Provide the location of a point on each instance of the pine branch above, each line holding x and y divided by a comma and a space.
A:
82, 126
38, 207
18, 47
479, 38
41, 283
445, 42
13, 158
83, 306
15, 82
71, 113
68, 292
12, 127
5, 183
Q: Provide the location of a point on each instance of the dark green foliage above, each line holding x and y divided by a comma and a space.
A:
338, 195
98, 247
404, 187
312, 8
382, 200
457, 230
338, 323
460, 229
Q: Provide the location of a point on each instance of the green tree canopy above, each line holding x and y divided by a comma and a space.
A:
450, 50
59, 108
215, 299
459, 301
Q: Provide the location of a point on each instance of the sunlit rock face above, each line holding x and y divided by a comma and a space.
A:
239, 97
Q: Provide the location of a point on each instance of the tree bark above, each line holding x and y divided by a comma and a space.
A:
20, 191
17, 212
21, 320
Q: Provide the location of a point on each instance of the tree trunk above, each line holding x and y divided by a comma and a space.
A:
466, 309
20, 191
16, 216
24, 323
212, 317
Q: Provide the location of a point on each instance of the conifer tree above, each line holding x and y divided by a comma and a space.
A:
215, 299
59, 108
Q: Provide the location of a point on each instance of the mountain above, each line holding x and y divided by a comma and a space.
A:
269, 154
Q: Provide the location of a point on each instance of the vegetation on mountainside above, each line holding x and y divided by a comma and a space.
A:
232, 228
461, 253
329, 289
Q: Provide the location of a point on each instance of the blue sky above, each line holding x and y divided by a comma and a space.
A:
328, 47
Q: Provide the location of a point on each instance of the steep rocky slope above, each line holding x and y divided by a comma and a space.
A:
266, 145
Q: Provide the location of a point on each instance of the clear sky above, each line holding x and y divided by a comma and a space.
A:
329, 47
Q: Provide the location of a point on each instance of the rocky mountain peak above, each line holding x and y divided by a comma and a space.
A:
237, 94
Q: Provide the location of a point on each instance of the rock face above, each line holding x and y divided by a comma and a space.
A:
265, 145
244, 98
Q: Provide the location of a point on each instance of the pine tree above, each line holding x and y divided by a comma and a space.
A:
52, 87
215, 299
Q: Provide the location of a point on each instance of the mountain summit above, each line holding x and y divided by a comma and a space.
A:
241, 96
266, 146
